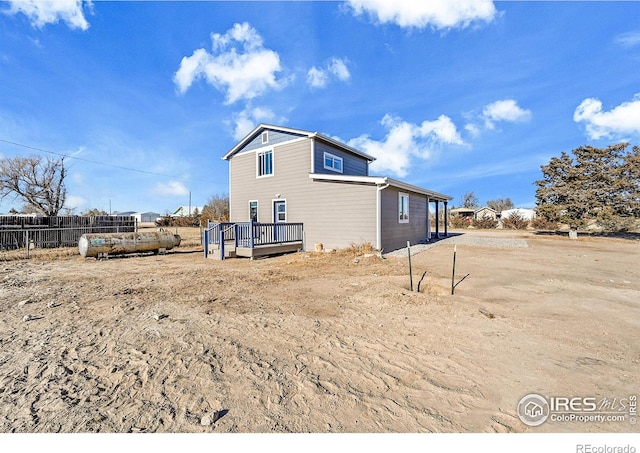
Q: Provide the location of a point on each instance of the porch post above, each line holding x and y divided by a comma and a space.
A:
428, 220
221, 243
437, 219
251, 234
235, 236
446, 219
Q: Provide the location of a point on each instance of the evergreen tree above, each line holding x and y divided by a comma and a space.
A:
594, 183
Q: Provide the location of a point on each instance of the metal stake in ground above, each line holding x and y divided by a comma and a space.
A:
410, 272
421, 278
453, 273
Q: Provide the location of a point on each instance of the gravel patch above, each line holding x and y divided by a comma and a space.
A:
462, 239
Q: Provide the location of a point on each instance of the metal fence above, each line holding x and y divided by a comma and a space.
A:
18, 232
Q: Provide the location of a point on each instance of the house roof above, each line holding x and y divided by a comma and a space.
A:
485, 208
454, 210
381, 181
314, 135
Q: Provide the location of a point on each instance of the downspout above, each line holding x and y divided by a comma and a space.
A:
313, 155
379, 188
229, 170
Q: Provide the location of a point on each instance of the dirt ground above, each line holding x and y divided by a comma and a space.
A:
318, 342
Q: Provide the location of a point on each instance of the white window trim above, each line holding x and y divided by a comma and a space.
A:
265, 137
333, 157
273, 162
257, 209
401, 195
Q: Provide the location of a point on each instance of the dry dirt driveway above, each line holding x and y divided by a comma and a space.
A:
319, 342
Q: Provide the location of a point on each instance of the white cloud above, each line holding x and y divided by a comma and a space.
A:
444, 14
621, 120
504, 110
249, 118
239, 65
75, 202
628, 39
405, 141
317, 78
43, 12
336, 68
339, 69
170, 188
472, 129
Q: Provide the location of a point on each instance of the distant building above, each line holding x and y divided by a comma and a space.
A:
141, 217
528, 214
468, 213
147, 217
485, 212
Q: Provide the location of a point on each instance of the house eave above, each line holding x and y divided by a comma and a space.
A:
308, 134
381, 181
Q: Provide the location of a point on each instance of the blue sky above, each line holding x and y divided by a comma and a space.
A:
146, 97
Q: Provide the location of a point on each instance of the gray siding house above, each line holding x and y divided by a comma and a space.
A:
279, 174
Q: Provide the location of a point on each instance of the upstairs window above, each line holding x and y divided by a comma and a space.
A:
265, 137
333, 163
403, 208
265, 163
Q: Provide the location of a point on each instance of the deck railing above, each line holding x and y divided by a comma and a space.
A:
252, 234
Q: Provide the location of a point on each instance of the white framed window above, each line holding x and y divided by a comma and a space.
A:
253, 210
265, 137
333, 163
265, 163
403, 207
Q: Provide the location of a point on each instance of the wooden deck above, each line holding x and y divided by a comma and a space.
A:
251, 239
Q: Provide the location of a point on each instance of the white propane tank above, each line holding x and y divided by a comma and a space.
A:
94, 244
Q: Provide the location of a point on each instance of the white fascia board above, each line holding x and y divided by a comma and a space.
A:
349, 178
381, 180
430, 193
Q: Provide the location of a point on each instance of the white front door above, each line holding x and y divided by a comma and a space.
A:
279, 211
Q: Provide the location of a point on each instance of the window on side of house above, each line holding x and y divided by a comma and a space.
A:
333, 163
265, 137
403, 208
253, 210
265, 163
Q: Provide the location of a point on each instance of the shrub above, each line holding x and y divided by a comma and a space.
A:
459, 221
361, 248
540, 223
485, 223
187, 221
515, 221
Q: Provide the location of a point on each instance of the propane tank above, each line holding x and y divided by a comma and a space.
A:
102, 244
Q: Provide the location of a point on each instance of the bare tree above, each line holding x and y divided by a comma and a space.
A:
38, 182
469, 200
217, 209
500, 204
94, 212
